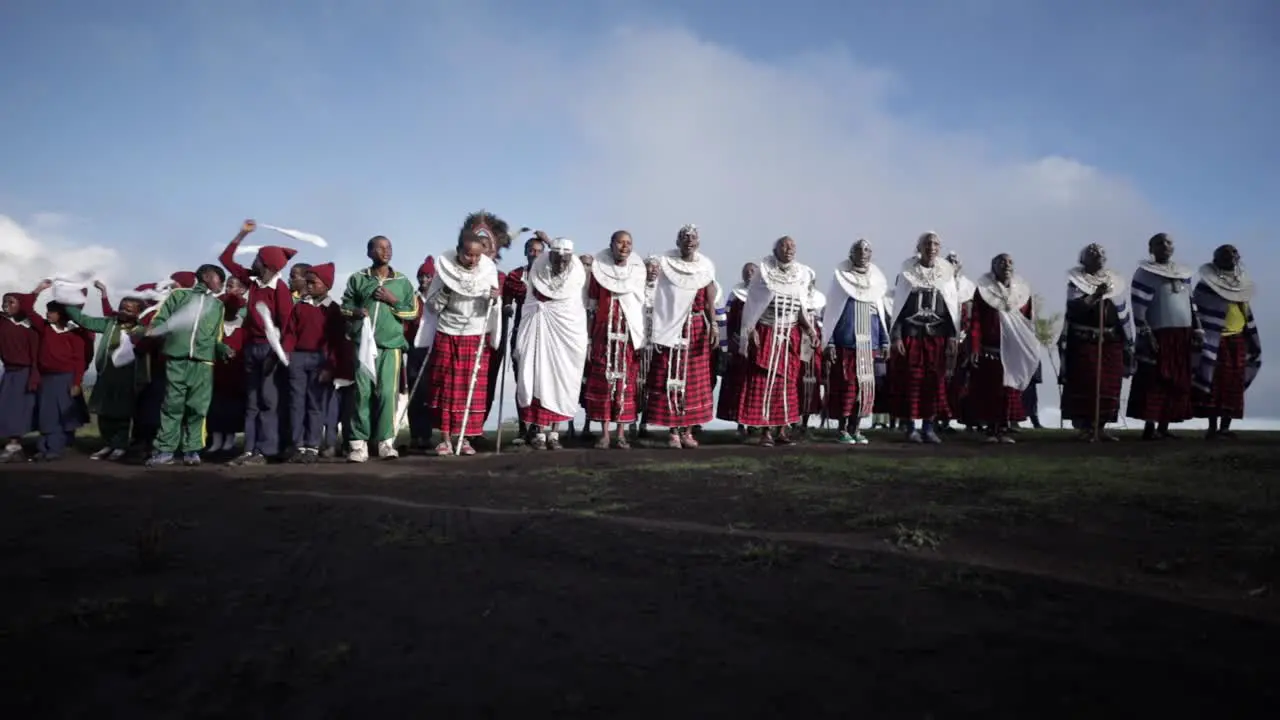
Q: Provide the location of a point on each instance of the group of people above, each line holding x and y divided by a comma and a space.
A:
186, 366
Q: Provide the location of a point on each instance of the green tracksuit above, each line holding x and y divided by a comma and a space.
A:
388, 335
189, 357
115, 393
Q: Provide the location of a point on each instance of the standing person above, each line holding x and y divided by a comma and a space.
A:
378, 300
1094, 292
464, 297
678, 394
414, 330
284, 377
265, 286
652, 268
736, 363
513, 293
615, 315
63, 357
226, 409
316, 319
1168, 335
20, 384
857, 340
498, 240
1004, 352
772, 319
923, 331
958, 384
811, 377
552, 344
115, 392
188, 329
1231, 354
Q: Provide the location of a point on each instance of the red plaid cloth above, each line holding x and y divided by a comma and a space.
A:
843, 397
598, 393
453, 357
1078, 394
1226, 397
731, 383
918, 384
698, 403
784, 400
537, 415
1161, 391
988, 400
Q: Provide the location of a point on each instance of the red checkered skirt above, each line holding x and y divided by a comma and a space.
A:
1161, 391
783, 398
698, 405
988, 401
1079, 391
1226, 397
845, 398
600, 397
731, 389
453, 358
535, 414
918, 385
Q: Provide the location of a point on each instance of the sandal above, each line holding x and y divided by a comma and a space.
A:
602, 443
621, 443
674, 441
467, 449
687, 440
443, 449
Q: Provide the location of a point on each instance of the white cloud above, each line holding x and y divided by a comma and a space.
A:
47, 246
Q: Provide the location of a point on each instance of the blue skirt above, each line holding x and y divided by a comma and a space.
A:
57, 411
17, 406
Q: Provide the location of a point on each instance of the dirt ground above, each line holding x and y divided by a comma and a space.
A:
1047, 579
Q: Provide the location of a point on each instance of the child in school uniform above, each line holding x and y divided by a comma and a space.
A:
307, 341
19, 351
64, 356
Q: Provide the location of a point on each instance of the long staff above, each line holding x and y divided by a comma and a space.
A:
471, 388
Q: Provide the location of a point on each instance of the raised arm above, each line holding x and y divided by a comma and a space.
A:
228, 256
88, 322
107, 310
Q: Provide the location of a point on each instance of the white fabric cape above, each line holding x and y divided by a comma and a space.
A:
1241, 293
628, 290
760, 294
673, 296
1171, 270
908, 281
843, 288
1019, 346
450, 275
1087, 284
426, 325
552, 342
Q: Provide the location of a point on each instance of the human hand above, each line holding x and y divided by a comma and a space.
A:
102, 288
248, 226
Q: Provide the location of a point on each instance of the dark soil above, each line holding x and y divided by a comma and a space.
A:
587, 584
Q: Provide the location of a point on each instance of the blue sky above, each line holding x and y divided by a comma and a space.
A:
136, 135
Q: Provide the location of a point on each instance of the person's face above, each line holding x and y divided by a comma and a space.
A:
929, 248
651, 271
235, 287
621, 247
559, 262
1094, 260
860, 255
11, 306
748, 272
129, 311
535, 249
380, 252
212, 281
785, 250
314, 286
688, 244
1162, 249
1226, 258
298, 280
54, 316
470, 252
424, 282
1002, 268
258, 269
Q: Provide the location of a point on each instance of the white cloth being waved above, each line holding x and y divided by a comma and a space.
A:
914, 276
1019, 346
773, 283
551, 344
627, 284
678, 283
466, 308
869, 286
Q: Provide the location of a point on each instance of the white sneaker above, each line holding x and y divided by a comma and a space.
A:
387, 450
215, 442
359, 452
116, 455
104, 452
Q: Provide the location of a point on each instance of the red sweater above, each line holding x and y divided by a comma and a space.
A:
276, 296
313, 328
65, 351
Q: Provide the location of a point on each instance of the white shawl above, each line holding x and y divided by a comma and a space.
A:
469, 291
1019, 346
551, 343
678, 284
627, 283
769, 282
1237, 290
1087, 283
867, 287
1170, 270
913, 277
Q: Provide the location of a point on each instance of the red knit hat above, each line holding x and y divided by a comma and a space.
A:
428, 267
184, 279
324, 273
274, 257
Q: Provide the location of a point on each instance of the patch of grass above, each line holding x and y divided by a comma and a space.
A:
915, 538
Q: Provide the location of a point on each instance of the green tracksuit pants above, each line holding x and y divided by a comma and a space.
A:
374, 415
188, 391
